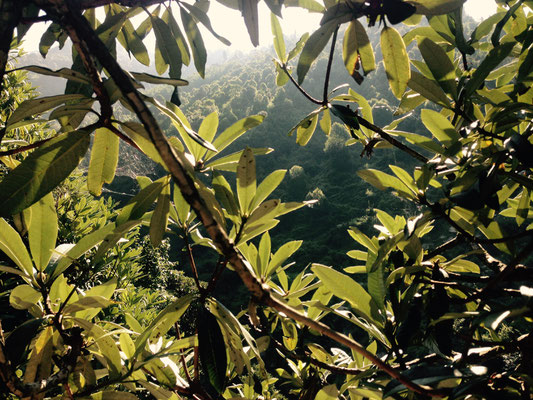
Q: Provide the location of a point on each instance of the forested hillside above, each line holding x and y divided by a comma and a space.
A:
324, 170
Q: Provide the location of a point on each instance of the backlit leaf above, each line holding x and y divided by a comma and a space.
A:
39, 105
104, 160
196, 42
396, 60
246, 180
439, 64
42, 231
313, 47
346, 288
279, 42
42, 171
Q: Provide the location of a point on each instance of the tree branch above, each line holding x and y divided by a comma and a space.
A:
297, 85
396, 143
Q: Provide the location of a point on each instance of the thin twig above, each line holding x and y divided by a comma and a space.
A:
444, 247
396, 143
328, 69
22, 149
122, 136
192, 263
300, 88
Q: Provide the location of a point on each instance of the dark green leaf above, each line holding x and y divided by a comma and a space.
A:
212, 349
313, 47
42, 171
196, 42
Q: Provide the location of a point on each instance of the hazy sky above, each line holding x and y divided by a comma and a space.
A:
230, 24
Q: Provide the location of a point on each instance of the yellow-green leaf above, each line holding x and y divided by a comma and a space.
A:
159, 220
246, 180
279, 42
42, 171
42, 231
396, 61
104, 160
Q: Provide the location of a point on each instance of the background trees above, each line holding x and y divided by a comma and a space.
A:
438, 302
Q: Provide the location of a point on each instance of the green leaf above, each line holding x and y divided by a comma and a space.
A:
106, 344
42, 231
158, 392
279, 42
224, 194
491, 61
133, 43
313, 47
212, 349
347, 115
362, 239
182, 125
329, 392
86, 303
259, 226
24, 297
154, 79
249, 13
346, 288
182, 207
230, 162
522, 210
436, 7
309, 5
104, 160
42, 171
53, 34
234, 131
441, 128
163, 322
422, 141
325, 122
39, 105
298, 47
263, 254
168, 17
306, 128
159, 220
357, 48
484, 28
201, 16
207, 131
439, 64
141, 203
376, 282
283, 253
168, 48
246, 180
383, 181
396, 60
266, 187
196, 42
60, 73
84, 245
428, 88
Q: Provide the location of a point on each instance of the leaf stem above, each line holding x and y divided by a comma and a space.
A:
300, 88
328, 69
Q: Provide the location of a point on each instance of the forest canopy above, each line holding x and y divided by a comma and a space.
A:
196, 284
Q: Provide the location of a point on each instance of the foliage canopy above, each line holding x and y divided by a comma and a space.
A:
438, 303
